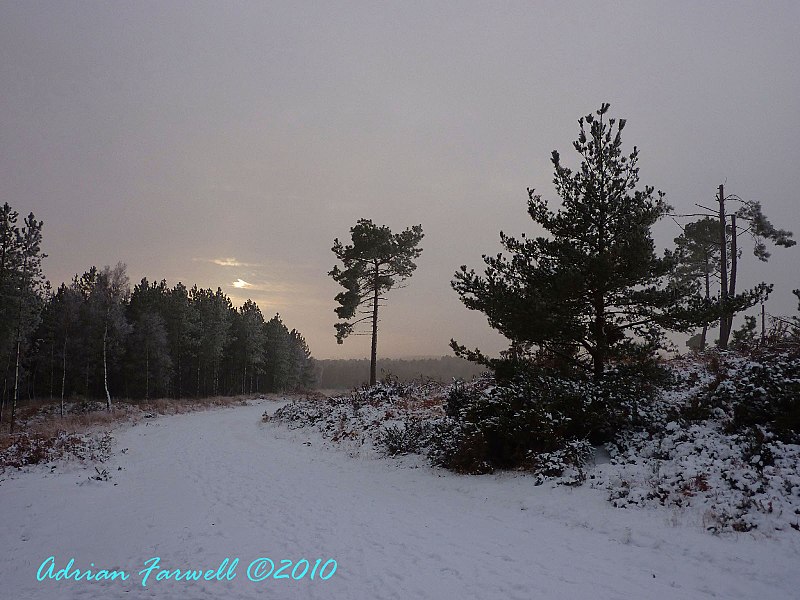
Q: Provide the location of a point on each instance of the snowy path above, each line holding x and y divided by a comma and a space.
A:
197, 488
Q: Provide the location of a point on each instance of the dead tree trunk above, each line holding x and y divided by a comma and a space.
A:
724, 331
373, 364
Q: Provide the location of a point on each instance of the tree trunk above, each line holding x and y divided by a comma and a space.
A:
704, 335
5, 387
16, 384
373, 363
601, 346
63, 375
147, 373
105, 367
19, 343
52, 366
734, 264
724, 332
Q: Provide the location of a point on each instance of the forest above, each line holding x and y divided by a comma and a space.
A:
98, 338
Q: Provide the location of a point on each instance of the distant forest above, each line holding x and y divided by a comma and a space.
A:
98, 337
348, 374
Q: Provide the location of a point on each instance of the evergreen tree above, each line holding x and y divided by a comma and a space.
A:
213, 328
29, 284
303, 365
250, 341
9, 267
180, 320
697, 253
709, 249
148, 359
375, 262
761, 230
60, 321
594, 289
277, 354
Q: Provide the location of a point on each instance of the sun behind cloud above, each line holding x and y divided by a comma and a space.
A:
242, 284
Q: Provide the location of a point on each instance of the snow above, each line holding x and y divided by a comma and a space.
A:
197, 488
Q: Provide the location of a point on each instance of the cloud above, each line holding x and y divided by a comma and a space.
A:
268, 287
227, 262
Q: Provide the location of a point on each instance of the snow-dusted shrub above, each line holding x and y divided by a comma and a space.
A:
761, 390
30, 448
542, 420
413, 436
515, 425
394, 417
734, 483
630, 396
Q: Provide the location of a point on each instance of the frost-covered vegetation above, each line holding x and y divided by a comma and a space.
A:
84, 431
717, 436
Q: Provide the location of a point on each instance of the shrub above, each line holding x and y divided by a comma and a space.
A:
413, 436
762, 390
508, 426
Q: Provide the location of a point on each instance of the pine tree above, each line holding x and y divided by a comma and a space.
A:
304, 364
250, 340
697, 253
181, 323
277, 354
710, 246
593, 290
61, 321
29, 282
375, 262
148, 359
213, 314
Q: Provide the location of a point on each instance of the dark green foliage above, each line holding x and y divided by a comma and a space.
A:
213, 314
745, 336
249, 345
761, 391
510, 426
592, 290
413, 437
541, 418
697, 252
700, 260
22, 287
289, 365
760, 228
148, 358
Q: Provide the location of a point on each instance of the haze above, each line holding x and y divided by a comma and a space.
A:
227, 144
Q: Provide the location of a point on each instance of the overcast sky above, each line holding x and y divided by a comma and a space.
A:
224, 142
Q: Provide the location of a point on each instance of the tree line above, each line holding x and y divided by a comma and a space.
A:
351, 373
97, 337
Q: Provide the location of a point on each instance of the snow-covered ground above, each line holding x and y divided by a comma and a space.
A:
195, 489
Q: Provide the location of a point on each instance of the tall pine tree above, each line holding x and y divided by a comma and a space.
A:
375, 262
592, 289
